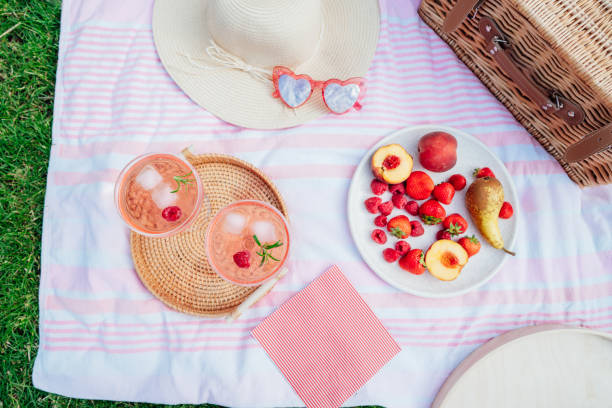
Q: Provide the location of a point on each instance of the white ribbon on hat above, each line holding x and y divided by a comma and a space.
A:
227, 60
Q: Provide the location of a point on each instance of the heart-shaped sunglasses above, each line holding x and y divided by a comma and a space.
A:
295, 90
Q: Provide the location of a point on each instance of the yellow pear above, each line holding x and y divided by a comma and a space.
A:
484, 199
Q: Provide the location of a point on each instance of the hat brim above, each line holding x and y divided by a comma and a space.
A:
347, 46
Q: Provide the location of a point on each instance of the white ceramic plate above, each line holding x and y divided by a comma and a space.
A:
471, 153
534, 366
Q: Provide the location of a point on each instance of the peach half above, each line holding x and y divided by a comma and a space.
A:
445, 259
391, 164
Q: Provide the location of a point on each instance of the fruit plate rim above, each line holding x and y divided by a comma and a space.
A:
352, 193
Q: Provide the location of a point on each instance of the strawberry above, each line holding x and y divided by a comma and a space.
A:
443, 234
470, 244
432, 212
412, 207
417, 229
399, 226
402, 247
483, 172
386, 208
444, 192
372, 204
397, 188
378, 187
506, 210
242, 259
458, 181
380, 221
455, 224
419, 185
399, 200
379, 236
391, 255
413, 262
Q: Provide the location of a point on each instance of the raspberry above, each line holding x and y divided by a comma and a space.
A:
379, 236
380, 221
417, 229
172, 213
399, 200
412, 207
378, 187
242, 259
372, 204
397, 188
458, 181
385, 208
391, 255
443, 234
402, 247
391, 162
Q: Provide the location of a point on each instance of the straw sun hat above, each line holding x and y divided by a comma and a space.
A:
222, 52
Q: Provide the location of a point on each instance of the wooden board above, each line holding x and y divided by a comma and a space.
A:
535, 366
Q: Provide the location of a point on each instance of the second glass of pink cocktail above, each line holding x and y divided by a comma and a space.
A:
248, 242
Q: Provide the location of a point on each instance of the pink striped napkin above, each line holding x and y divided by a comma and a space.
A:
326, 341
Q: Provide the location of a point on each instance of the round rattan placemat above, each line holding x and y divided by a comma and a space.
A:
175, 269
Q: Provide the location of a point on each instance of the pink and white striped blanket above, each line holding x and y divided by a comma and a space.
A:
103, 336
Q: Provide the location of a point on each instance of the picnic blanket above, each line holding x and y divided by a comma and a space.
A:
104, 336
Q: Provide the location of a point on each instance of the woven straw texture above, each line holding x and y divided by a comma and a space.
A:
175, 269
563, 45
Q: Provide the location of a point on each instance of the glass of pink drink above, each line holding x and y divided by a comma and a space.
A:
247, 242
158, 194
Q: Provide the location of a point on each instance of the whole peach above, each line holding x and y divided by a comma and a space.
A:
438, 151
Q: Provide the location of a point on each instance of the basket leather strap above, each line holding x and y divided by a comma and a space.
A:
458, 13
499, 47
592, 143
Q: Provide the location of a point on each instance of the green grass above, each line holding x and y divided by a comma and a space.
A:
27, 75
29, 33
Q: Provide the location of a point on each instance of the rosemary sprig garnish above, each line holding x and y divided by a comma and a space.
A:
263, 252
183, 180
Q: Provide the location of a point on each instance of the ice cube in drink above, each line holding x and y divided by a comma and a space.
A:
265, 231
163, 196
149, 178
234, 223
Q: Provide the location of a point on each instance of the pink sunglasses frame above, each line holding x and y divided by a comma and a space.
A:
280, 70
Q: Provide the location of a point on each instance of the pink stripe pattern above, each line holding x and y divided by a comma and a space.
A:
326, 341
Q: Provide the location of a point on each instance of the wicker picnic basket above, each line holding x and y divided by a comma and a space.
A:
549, 62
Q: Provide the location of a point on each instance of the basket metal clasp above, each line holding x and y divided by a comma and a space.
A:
501, 41
472, 14
556, 96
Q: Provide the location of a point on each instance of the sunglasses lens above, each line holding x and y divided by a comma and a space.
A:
294, 91
340, 98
